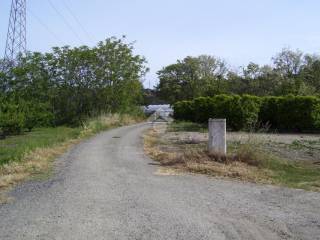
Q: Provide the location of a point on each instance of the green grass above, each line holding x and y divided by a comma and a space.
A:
13, 148
294, 174
284, 172
180, 126
28, 156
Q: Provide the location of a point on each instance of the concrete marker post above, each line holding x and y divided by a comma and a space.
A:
217, 136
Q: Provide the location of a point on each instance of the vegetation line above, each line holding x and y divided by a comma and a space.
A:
32, 154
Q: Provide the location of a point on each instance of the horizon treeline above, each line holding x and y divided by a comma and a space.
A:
68, 85
291, 73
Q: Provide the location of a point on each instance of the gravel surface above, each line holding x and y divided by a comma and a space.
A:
106, 188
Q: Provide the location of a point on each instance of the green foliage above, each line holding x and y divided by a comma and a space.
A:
241, 112
192, 77
12, 118
184, 110
292, 72
37, 115
17, 115
69, 85
290, 113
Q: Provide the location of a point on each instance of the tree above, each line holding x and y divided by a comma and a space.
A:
289, 63
192, 77
213, 73
68, 85
311, 73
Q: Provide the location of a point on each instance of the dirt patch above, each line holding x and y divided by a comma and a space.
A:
175, 152
295, 147
254, 157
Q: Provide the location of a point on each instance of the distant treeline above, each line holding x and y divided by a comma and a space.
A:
291, 72
68, 85
287, 113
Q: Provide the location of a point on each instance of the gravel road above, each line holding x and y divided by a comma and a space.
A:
106, 188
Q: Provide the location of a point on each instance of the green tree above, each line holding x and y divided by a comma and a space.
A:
192, 77
68, 85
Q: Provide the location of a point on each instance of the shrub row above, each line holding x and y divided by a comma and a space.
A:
291, 113
288, 113
16, 116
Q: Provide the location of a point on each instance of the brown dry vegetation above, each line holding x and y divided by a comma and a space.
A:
246, 161
39, 162
198, 160
35, 163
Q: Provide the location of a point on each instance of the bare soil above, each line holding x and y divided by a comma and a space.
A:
290, 160
294, 147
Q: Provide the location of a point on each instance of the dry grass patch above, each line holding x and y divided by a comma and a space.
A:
38, 161
200, 161
247, 161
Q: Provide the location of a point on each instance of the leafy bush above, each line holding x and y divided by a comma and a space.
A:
12, 119
291, 113
16, 115
288, 113
241, 112
184, 110
37, 115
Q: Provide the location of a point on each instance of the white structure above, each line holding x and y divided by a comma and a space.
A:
217, 136
159, 112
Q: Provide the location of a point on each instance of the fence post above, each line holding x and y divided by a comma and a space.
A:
217, 136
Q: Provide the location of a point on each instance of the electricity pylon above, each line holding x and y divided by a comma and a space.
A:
16, 43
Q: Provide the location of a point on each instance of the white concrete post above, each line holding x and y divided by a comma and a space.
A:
217, 136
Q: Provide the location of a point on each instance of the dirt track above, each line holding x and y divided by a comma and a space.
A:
106, 188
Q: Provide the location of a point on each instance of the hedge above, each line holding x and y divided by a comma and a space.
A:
15, 116
288, 113
291, 113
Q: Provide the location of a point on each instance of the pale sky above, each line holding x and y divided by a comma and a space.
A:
239, 31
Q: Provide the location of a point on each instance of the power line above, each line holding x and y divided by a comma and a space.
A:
45, 26
77, 20
65, 21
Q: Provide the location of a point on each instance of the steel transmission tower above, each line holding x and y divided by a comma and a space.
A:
16, 38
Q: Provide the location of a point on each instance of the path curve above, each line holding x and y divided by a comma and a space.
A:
106, 188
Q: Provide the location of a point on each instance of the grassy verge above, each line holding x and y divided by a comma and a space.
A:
246, 161
12, 149
32, 154
295, 175
182, 126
